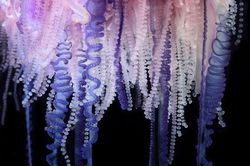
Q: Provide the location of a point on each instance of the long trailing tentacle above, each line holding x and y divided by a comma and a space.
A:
94, 30
29, 128
163, 111
119, 78
214, 84
63, 90
5, 95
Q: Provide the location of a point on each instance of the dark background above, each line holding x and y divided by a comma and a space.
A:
124, 136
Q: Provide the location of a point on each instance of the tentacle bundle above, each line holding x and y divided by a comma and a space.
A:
152, 54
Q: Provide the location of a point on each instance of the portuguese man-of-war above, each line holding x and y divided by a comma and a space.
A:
153, 54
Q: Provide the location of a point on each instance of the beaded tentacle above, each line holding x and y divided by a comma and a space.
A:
157, 58
120, 88
163, 110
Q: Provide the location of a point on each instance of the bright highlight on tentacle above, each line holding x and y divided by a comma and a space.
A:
152, 54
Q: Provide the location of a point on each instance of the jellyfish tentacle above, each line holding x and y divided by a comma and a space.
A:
157, 58
80, 125
74, 111
152, 143
141, 11
214, 86
125, 74
141, 48
215, 80
120, 88
163, 110
63, 90
28, 119
4, 50
110, 37
94, 30
5, 95
9, 64
16, 77
110, 91
29, 129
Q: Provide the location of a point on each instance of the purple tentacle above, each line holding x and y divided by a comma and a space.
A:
61, 85
163, 112
93, 30
29, 128
214, 86
79, 127
119, 78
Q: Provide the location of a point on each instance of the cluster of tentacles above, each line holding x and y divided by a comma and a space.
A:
85, 52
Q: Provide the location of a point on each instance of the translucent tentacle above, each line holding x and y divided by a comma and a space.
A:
63, 90
94, 30
163, 110
152, 143
16, 81
29, 129
5, 95
120, 88
213, 86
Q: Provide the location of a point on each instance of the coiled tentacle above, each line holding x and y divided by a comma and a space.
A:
94, 30
63, 90
79, 126
214, 86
